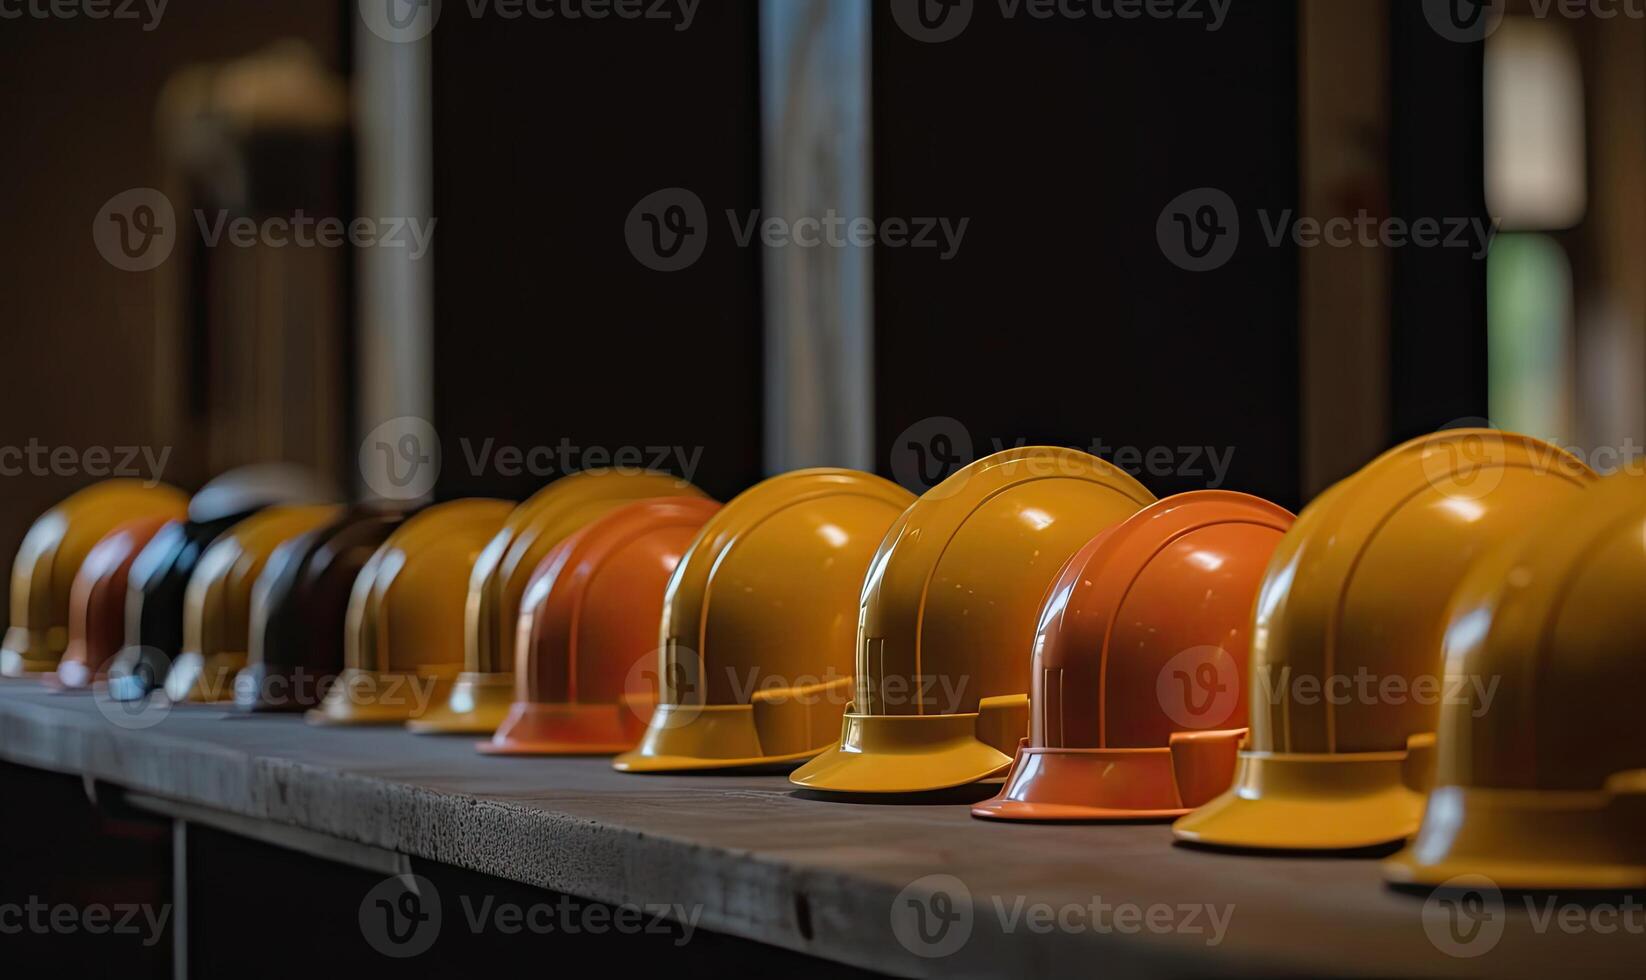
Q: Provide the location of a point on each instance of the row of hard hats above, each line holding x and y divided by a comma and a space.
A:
1039, 615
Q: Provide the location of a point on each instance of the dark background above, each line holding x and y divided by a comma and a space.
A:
1058, 320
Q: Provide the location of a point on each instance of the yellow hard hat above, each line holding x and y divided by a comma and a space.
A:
405, 621
948, 619
1344, 684
484, 691
217, 602
42, 574
1541, 772
760, 677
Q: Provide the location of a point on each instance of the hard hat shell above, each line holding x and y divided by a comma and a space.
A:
1354, 599
1541, 771
155, 585
217, 602
947, 624
56, 544
759, 675
97, 602
299, 609
257, 485
403, 648
483, 692
1138, 701
160, 574
588, 629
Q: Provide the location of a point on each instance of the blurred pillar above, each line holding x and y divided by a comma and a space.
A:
815, 117
393, 96
1343, 292
1610, 247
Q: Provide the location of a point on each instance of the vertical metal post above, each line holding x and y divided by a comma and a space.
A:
394, 113
180, 899
815, 113
1344, 306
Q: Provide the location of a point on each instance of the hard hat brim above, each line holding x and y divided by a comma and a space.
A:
136, 672
22, 656
637, 762
1527, 839
203, 680
567, 729
1309, 803
1061, 784
1023, 811
341, 707
903, 754
477, 705
700, 738
254, 689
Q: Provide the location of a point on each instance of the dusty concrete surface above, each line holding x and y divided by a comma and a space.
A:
765, 863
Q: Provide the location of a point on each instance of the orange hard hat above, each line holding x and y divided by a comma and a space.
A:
1540, 779
1138, 699
755, 653
483, 691
97, 602
947, 624
1346, 639
587, 622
